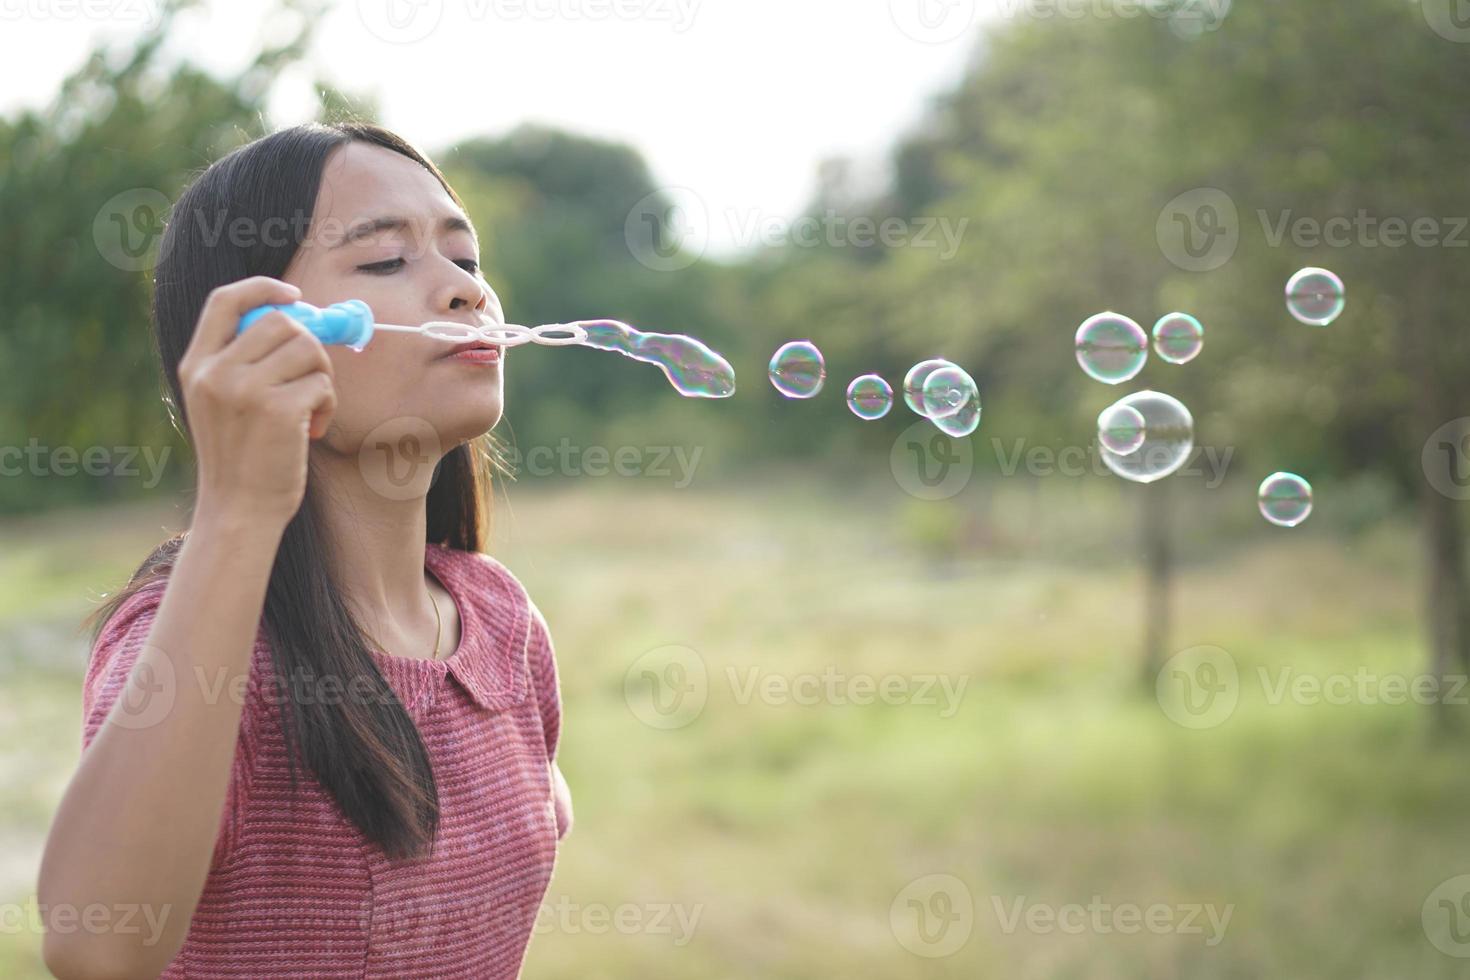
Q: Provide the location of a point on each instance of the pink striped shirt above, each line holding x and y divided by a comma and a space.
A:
296, 890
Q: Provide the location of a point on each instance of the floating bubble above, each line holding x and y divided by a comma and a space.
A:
1285, 499
797, 369
946, 390
869, 397
962, 422
1111, 348
693, 369
1315, 296
913, 382
1167, 441
1178, 337
1121, 429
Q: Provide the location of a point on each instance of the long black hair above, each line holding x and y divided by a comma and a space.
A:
365, 751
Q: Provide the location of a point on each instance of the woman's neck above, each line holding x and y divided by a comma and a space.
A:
377, 550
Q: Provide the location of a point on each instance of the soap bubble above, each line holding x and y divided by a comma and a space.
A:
797, 369
1315, 296
1121, 429
1167, 441
869, 397
693, 369
1178, 337
946, 390
1111, 348
951, 400
1285, 499
913, 382
962, 422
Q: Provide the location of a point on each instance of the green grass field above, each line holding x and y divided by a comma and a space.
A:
1080, 831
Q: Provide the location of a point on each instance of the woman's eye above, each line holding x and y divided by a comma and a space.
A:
393, 265
380, 268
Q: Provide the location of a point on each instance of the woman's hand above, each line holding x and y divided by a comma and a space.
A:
253, 402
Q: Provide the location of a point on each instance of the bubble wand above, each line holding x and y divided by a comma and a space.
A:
351, 323
692, 368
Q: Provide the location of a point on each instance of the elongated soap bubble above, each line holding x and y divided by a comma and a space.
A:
1111, 348
1167, 442
1285, 499
797, 369
946, 390
869, 397
1121, 429
913, 383
1315, 296
1178, 337
962, 422
693, 369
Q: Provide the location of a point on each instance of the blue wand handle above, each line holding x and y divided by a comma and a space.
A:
349, 322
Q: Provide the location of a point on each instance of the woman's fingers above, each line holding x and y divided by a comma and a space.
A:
299, 355
219, 321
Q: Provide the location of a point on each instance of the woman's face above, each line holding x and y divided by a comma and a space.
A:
384, 231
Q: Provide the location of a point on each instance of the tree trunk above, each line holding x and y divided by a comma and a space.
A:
1447, 626
1154, 517
1446, 603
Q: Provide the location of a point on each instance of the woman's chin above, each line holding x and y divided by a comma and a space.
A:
470, 422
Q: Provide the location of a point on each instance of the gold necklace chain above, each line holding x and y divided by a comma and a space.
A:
438, 629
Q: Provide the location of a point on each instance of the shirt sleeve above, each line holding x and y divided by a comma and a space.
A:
146, 698
542, 656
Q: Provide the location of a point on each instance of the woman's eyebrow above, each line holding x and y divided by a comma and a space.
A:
371, 226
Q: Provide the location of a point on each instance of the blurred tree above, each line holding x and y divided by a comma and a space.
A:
84, 191
1066, 145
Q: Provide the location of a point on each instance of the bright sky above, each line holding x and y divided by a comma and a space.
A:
736, 100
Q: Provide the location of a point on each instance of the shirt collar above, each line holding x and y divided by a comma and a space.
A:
494, 625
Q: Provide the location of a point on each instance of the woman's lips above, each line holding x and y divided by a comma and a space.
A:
477, 355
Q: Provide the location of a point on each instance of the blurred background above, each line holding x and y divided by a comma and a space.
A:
842, 697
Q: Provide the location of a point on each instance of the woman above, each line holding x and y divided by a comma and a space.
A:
327, 609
